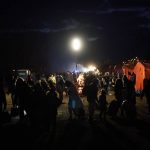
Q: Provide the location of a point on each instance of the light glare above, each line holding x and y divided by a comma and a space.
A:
76, 44
91, 68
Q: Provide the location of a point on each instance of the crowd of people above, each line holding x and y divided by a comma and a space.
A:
38, 101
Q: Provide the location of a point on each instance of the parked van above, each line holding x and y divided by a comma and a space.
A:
23, 73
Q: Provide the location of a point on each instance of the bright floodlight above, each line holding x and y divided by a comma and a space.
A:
91, 68
76, 44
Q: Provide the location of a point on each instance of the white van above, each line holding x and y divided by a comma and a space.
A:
23, 73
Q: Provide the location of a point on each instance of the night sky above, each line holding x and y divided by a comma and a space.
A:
36, 34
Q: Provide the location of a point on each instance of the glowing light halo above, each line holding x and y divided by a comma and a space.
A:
91, 68
76, 44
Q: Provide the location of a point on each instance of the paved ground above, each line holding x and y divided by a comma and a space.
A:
80, 134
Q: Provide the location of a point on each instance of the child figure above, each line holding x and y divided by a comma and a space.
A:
102, 103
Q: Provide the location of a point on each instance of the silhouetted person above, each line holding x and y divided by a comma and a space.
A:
102, 103
53, 103
39, 114
2, 96
75, 104
118, 93
130, 103
23, 94
3, 102
92, 91
13, 91
146, 92
60, 85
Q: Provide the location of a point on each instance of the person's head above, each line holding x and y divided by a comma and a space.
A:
38, 87
119, 82
44, 84
51, 84
103, 92
68, 83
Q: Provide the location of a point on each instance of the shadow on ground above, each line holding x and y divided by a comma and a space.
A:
79, 134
